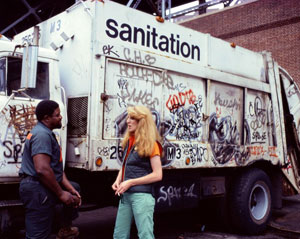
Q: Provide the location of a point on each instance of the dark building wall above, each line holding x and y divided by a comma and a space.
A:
272, 25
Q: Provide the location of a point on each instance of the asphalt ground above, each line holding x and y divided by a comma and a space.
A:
99, 224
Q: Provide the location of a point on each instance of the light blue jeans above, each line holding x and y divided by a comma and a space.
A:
141, 207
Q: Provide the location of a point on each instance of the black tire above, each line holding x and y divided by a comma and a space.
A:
251, 201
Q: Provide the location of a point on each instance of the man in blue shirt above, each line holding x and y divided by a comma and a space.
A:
44, 183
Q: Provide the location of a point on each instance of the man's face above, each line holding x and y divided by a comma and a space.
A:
55, 119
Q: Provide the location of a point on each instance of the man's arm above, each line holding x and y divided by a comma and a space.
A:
47, 177
66, 183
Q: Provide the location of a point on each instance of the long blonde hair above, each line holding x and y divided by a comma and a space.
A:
146, 132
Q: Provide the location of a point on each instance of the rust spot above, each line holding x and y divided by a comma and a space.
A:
232, 44
160, 19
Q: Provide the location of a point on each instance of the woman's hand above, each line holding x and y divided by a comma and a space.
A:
124, 186
115, 186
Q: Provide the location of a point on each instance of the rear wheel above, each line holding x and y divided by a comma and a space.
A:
250, 201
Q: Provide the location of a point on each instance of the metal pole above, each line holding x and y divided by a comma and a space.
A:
163, 9
129, 3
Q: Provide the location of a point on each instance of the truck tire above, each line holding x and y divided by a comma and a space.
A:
250, 201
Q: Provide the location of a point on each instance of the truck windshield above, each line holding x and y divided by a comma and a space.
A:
13, 81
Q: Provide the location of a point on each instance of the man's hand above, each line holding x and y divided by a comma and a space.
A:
76, 197
69, 187
67, 198
77, 201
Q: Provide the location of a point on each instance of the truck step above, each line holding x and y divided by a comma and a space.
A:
10, 203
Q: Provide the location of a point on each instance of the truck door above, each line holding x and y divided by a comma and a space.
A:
129, 84
17, 116
185, 120
226, 123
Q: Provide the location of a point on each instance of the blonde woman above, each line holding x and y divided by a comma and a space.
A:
141, 168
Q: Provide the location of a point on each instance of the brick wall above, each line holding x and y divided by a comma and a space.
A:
272, 25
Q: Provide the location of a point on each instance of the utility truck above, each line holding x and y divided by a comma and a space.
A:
228, 116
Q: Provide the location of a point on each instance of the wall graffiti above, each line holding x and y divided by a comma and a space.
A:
227, 103
103, 151
172, 193
260, 150
122, 83
137, 96
137, 72
224, 140
258, 137
186, 123
180, 87
185, 106
178, 100
108, 50
137, 57
258, 121
20, 119
107, 127
192, 115
131, 94
195, 153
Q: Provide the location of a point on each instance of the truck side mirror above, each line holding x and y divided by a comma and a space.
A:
29, 63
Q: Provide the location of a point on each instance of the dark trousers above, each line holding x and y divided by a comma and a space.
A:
40, 204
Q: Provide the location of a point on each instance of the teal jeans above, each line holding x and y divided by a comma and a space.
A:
141, 207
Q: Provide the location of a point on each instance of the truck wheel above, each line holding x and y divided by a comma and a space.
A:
250, 201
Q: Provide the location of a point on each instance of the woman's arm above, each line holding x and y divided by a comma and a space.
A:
155, 176
116, 184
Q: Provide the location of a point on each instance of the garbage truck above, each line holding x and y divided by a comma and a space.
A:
229, 117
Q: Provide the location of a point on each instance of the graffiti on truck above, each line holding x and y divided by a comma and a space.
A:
20, 119
190, 136
185, 123
171, 194
257, 121
137, 96
224, 140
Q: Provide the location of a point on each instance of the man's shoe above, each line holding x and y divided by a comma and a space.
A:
67, 233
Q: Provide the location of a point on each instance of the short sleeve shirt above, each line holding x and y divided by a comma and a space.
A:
41, 140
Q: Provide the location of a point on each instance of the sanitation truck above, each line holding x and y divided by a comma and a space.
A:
228, 116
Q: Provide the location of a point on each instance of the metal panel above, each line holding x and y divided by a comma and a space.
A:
185, 104
236, 60
225, 122
257, 105
129, 84
184, 120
